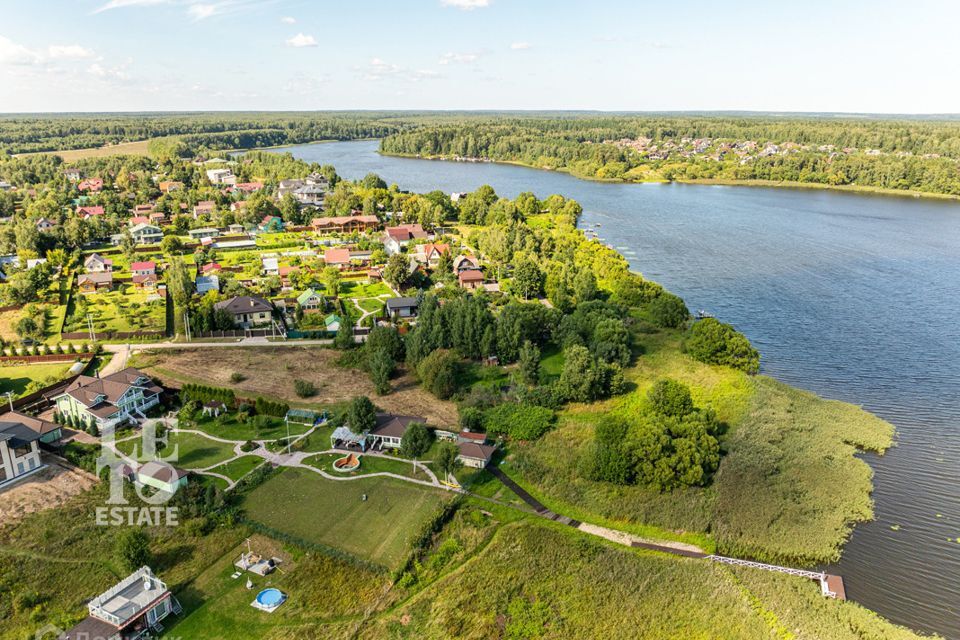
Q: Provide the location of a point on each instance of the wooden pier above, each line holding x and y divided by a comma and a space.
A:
830, 586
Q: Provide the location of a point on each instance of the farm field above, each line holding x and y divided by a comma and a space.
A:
272, 377
138, 148
332, 513
16, 378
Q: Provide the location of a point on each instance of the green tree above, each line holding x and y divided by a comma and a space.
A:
527, 279
381, 366
446, 460
416, 440
133, 549
397, 270
668, 310
171, 245
386, 339
344, 339
585, 286
670, 398
439, 372
715, 342
361, 415
331, 279
529, 363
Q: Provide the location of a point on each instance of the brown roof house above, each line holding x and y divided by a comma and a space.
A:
129, 610
94, 282
474, 450
247, 311
389, 429
109, 401
394, 238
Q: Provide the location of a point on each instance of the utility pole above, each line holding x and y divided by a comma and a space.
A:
9, 395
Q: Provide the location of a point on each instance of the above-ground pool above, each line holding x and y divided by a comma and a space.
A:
269, 599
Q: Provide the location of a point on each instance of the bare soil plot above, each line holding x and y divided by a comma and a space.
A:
271, 372
46, 489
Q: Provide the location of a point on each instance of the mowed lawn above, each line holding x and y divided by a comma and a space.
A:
193, 451
329, 512
16, 378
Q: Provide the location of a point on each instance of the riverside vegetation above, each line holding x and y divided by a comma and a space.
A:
613, 407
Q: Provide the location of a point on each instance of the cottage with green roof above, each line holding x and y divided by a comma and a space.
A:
310, 300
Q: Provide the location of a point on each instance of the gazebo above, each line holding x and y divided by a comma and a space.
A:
347, 438
301, 416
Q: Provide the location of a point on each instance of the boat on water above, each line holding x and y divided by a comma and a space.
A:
701, 314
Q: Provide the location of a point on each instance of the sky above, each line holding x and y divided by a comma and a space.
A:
616, 55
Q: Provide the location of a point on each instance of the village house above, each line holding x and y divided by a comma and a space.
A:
465, 263
207, 283
144, 275
239, 205
336, 258
86, 213
247, 311
270, 266
221, 176
130, 610
160, 475
309, 195
345, 224
45, 225
271, 223
135, 220
72, 174
204, 208
246, 187
429, 254
210, 267
395, 238
109, 401
401, 307
169, 186
142, 233
93, 185
471, 279
95, 282
388, 431
20, 438
475, 455
95, 263
310, 300
157, 217
142, 209
204, 232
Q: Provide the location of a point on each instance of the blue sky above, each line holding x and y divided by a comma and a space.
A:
131, 55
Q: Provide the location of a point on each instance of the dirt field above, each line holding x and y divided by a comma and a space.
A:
271, 372
138, 148
46, 489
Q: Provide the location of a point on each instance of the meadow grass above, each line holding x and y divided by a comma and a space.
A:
231, 429
789, 486
16, 378
302, 504
236, 469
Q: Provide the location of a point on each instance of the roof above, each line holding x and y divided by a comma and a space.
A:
207, 283
145, 227
161, 471
210, 266
393, 426
141, 278
336, 221
471, 275
101, 277
98, 258
476, 451
271, 264
336, 256
306, 296
148, 265
128, 599
473, 435
42, 427
344, 434
244, 304
90, 629
94, 393
90, 211
16, 434
401, 303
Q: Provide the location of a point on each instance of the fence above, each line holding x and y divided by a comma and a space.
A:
50, 357
114, 335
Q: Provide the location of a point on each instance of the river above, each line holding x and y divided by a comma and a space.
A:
855, 297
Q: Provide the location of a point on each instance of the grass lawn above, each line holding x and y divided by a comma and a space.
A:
16, 378
323, 595
233, 430
353, 289
551, 364
368, 464
236, 469
303, 504
370, 304
125, 309
194, 451
51, 335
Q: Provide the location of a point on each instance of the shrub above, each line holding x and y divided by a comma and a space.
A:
471, 419
439, 372
361, 415
668, 310
270, 408
714, 342
133, 549
519, 421
237, 377
671, 398
304, 388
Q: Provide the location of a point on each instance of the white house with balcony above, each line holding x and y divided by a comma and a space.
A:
131, 609
20, 437
109, 401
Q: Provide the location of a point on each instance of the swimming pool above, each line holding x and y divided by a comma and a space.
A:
269, 599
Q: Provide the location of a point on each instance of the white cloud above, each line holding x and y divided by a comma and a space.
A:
13, 53
196, 9
458, 58
202, 11
302, 40
121, 4
288, 20
113, 74
70, 51
379, 69
521, 46
466, 5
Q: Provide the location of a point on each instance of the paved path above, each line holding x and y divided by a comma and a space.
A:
529, 499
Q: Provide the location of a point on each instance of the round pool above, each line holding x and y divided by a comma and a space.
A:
270, 597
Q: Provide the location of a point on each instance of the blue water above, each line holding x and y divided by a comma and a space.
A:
269, 597
855, 297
